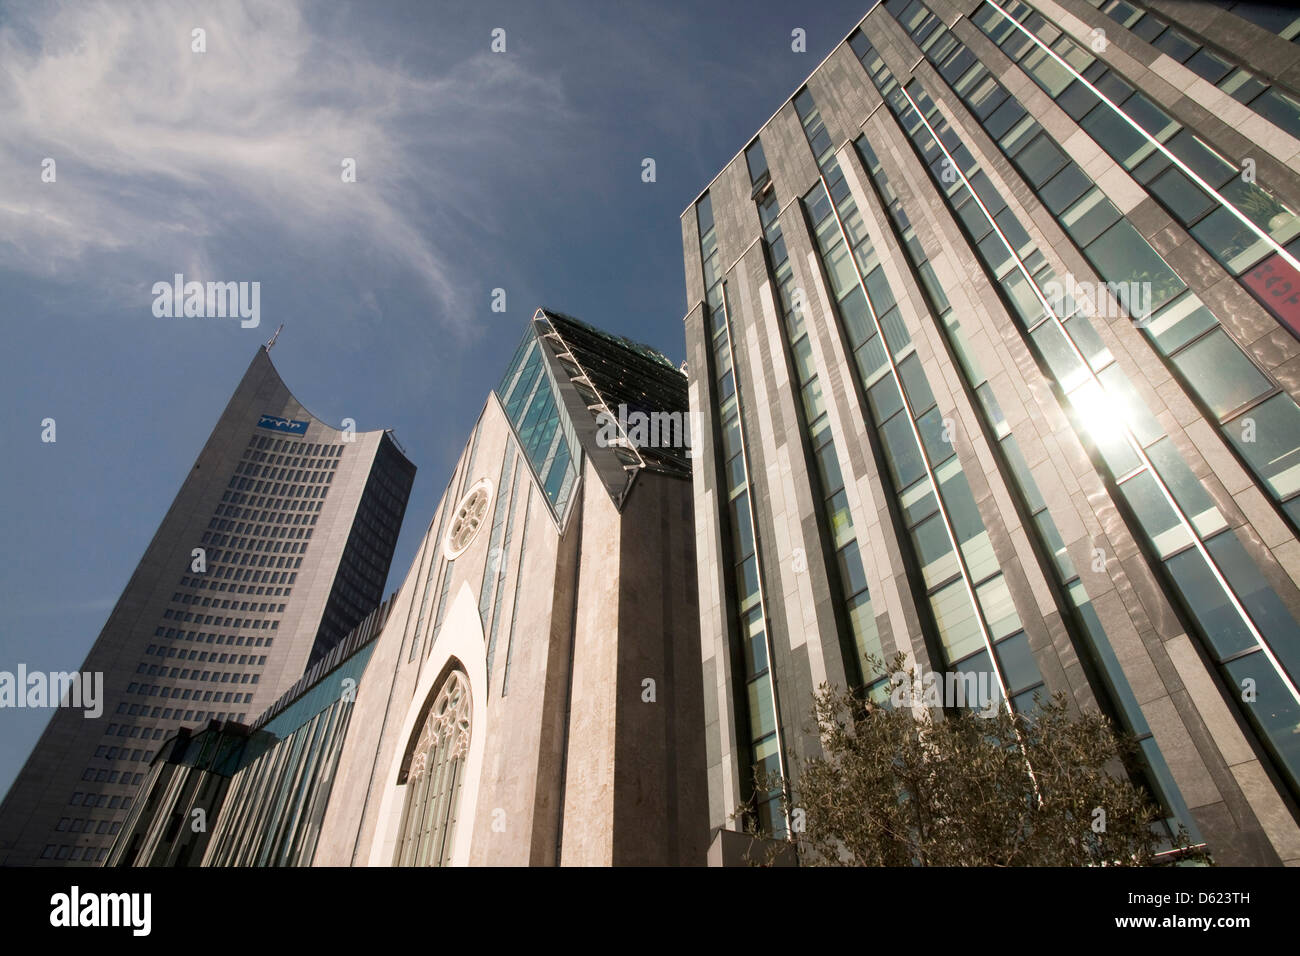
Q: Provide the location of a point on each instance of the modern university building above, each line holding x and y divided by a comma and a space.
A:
993, 328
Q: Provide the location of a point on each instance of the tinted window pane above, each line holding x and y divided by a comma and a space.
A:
871, 361
973, 683
1149, 116
1015, 234
1046, 72
1209, 65
1024, 303
1223, 376
1179, 323
812, 400
933, 286
935, 436
918, 501
986, 97
1077, 100
852, 575
1040, 160
973, 217
1051, 536
1262, 208
1004, 117
1273, 450
756, 160
1024, 477
1019, 669
882, 300
839, 266
1116, 136
803, 360
1110, 83
1204, 161
1229, 240
862, 620
1064, 188
735, 473
755, 653
1219, 621
1184, 486
959, 629
828, 466
747, 581
762, 716
742, 531
704, 214
1089, 217
999, 610
857, 322
1262, 603
995, 253
1122, 255
967, 524
896, 334
884, 399
1273, 709
1176, 44
934, 551
1242, 85
1184, 198
730, 437
914, 384
901, 451
1088, 342
1160, 522
841, 521
1281, 109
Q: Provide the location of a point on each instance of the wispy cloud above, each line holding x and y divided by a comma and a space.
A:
165, 155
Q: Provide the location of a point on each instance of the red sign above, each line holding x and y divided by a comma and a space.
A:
1276, 284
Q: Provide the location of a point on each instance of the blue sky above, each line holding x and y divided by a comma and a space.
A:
475, 171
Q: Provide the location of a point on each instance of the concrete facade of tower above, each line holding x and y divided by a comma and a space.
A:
993, 328
276, 546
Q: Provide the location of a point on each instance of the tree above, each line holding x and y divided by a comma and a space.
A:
935, 788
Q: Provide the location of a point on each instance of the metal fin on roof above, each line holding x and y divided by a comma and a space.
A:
610, 380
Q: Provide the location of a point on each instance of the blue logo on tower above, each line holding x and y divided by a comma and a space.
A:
277, 424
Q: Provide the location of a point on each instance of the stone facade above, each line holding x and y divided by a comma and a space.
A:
1223, 769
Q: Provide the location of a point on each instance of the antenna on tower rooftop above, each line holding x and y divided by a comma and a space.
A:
271, 344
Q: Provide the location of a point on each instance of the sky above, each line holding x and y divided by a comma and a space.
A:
475, 170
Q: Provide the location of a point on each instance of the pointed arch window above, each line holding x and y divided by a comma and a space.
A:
433, 776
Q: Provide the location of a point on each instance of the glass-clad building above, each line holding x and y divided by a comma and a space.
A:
229, 794
993, 331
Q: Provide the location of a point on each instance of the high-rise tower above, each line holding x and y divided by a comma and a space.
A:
275, 547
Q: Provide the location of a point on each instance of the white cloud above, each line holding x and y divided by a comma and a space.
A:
163, 154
